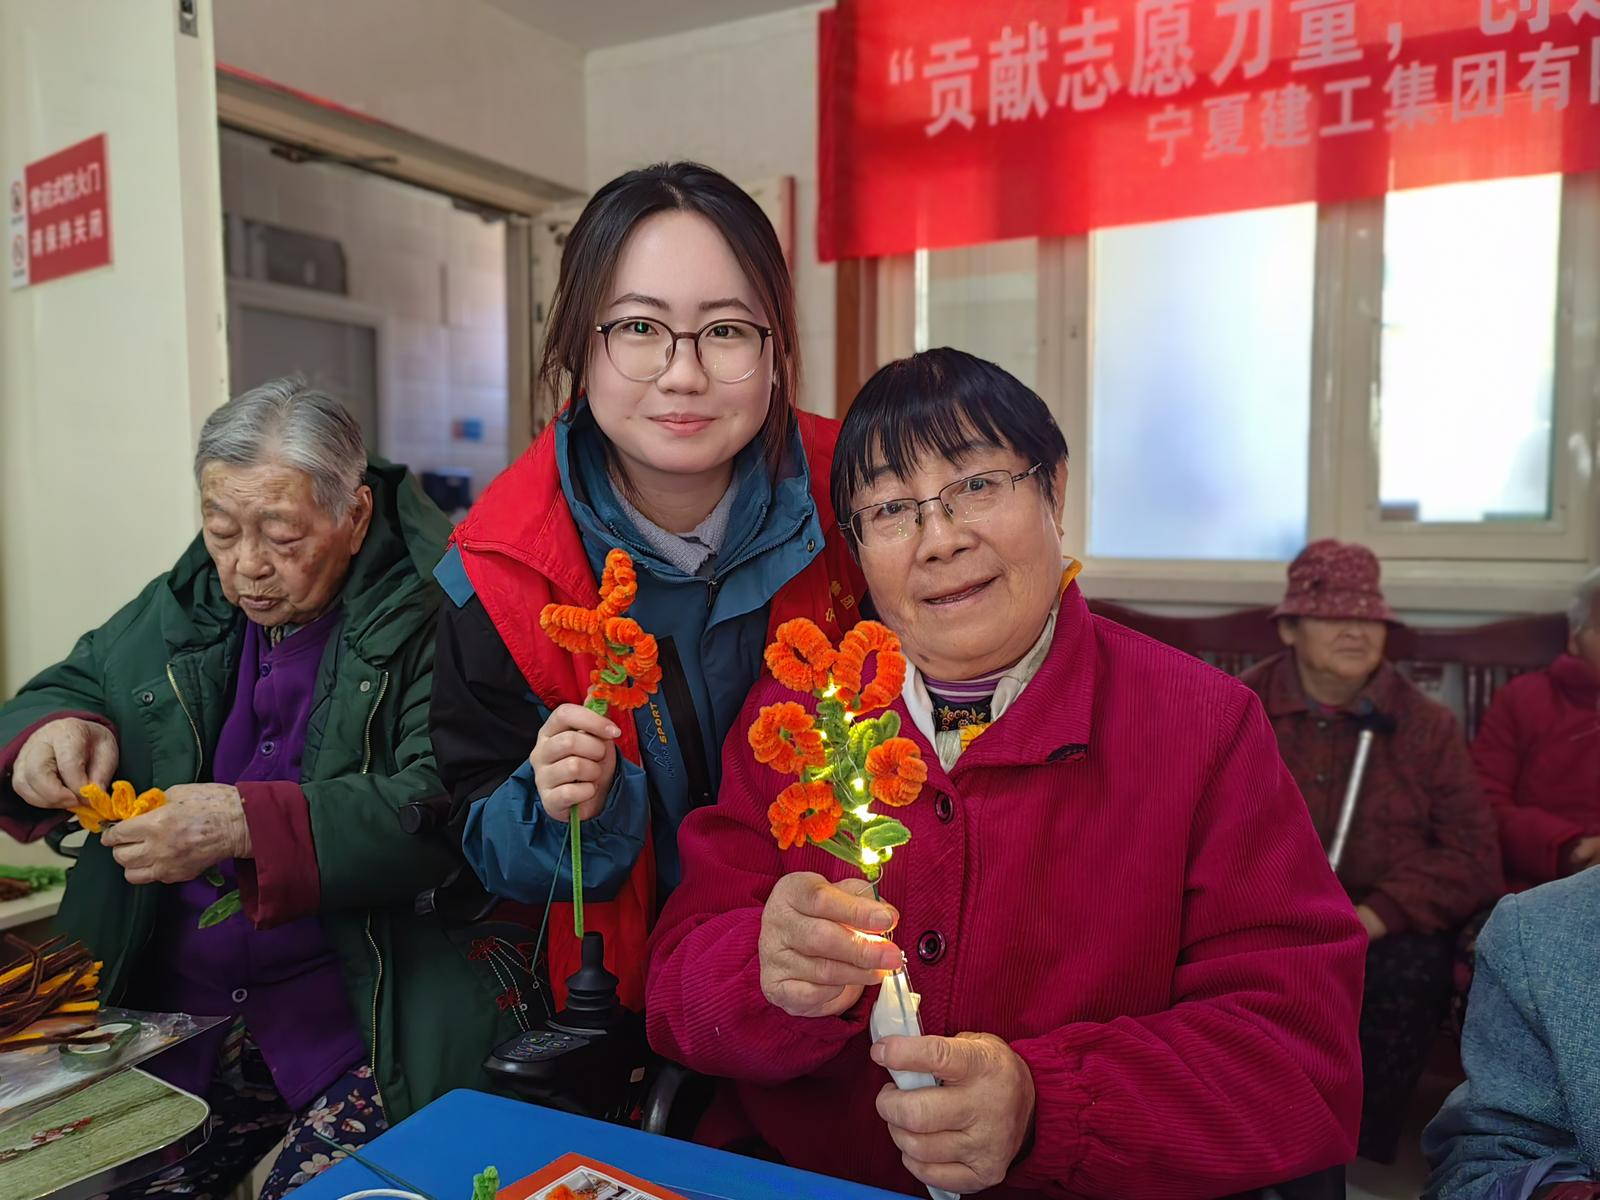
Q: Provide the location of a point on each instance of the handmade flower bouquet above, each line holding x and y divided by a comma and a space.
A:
845, 759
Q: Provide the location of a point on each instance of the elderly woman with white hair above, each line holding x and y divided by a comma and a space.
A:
1538, 753
275, 683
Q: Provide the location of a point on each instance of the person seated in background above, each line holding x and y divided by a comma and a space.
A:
1538, 754
1526, 1123
275, 683
1138, 977
1421, 856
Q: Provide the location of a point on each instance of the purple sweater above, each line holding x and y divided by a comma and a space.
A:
284, 983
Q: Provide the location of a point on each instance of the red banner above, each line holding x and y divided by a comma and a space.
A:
948, 123
60, 215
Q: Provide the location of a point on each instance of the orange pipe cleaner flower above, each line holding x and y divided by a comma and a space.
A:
99, 809
801, 656
804, 812
869, 637
897, 772
627, 666
785, 737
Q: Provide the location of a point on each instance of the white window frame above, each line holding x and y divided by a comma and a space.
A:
1428, 566
1566, 535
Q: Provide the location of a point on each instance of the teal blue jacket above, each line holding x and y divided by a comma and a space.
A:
1529, 1113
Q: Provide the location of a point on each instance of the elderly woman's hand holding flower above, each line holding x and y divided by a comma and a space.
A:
199, 826
62, 756
822, 943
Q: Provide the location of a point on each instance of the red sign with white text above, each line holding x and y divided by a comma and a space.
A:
948, 123
65, 224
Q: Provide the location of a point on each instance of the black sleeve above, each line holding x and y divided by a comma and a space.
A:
485, 717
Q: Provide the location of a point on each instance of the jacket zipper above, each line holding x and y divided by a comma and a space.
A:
366, 736
377, 983
377, 986
714, 585
199, 746
199, 767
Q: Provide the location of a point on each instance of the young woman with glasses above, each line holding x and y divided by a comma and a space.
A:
672, 338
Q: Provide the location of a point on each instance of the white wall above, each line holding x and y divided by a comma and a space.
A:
460, 72
742, 98
435, 273
106, 376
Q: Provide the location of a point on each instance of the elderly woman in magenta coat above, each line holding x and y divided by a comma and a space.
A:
1138, 976
1538, 754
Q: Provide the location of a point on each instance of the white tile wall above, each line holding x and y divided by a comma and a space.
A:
436, 273
741, 97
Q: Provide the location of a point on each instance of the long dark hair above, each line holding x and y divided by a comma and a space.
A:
589, 261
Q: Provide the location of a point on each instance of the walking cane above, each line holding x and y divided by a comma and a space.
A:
1371, 722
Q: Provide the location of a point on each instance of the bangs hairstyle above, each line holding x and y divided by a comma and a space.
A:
589, 265
940, 404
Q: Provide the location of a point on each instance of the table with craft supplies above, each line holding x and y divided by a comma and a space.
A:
128, 1127
439, 1149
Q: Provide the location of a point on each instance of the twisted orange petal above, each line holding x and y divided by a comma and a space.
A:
619, 584
122, 799
624, 696
638, 655
95, 797
869, 637
576, 630
801, 656
785, 737
627, 633
897, 772
88, 818
802, 812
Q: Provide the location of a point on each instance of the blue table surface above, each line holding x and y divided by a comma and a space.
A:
440, 1148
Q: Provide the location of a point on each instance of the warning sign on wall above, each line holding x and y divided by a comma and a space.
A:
60, 215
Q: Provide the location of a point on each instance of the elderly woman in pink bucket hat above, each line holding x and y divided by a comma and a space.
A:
1421, 855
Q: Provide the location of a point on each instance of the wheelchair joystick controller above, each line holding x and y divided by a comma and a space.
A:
589, 1058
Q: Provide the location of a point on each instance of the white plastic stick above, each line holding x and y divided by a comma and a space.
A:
1352, 793
895, 1014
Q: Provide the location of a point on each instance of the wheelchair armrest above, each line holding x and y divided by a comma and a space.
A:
460, 900
57, 836
1327, 1184
675, 1100
663, 1094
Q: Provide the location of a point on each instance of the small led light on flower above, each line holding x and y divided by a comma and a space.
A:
848, 716
833, 690
862, 812
859, 784
870, 857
